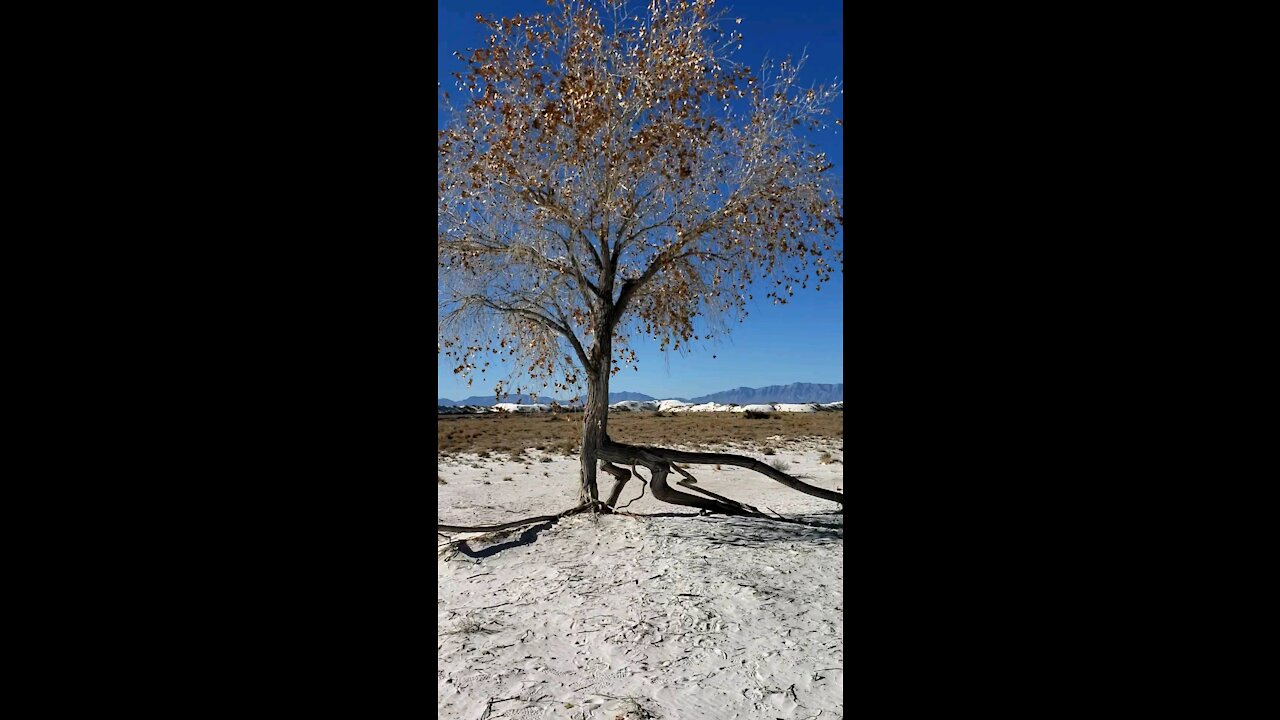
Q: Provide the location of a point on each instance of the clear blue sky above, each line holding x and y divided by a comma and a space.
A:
802, 341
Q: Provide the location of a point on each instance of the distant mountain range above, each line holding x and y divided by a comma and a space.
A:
524, 399
793, 393
487, 400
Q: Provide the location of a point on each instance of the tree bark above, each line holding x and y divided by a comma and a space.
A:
620, 478
595, 418
659, 462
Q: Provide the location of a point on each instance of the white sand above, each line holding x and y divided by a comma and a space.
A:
635, 405
522, 408
689, 617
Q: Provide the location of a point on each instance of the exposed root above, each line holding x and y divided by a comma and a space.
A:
750, 464
643, 483
661, 461
621, 476
684, 472
597, 506
721, 498
689, 482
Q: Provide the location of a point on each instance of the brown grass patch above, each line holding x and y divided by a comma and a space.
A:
512, 433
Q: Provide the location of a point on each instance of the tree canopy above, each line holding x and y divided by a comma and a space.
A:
612, 173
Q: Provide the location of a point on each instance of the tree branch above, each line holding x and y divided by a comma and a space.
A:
562, 328
573, 340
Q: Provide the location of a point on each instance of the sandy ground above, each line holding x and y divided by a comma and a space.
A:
670, 615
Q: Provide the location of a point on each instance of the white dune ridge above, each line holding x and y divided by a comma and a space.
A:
673, 406
521, 408
634, 405
755, 407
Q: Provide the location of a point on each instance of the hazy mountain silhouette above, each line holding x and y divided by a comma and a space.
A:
487, 400
527, 399
615, 397
793, 393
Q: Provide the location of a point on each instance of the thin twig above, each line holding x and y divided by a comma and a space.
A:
643, 483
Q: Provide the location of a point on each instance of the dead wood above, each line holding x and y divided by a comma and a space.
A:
621, 475
660, 461
597, 506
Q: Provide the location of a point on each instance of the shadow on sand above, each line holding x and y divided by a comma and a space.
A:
526, 537
715, 529
744, 532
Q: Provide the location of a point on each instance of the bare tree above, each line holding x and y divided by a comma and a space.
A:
614, 173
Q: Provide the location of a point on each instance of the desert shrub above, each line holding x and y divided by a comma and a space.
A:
825, 459
757, 415
469, 627
770, 451
440, 481
485, 453
545, 458
780, 465
506, 479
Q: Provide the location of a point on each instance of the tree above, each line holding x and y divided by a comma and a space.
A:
612, 174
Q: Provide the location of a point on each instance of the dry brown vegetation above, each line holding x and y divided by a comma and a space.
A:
511, 434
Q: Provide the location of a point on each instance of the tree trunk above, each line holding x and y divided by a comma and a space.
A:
595, 423
595, 419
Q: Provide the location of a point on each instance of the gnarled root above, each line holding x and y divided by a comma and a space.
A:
621, 476
750, 464
597, 506
661, 461
659, 467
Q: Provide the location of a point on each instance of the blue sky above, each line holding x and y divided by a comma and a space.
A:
802, 341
